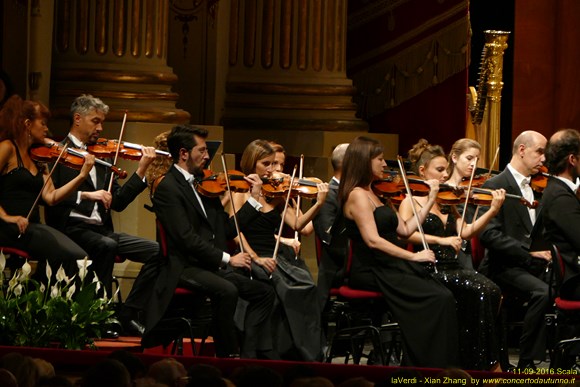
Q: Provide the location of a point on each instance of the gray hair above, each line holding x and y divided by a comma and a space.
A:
338, 155
85, 103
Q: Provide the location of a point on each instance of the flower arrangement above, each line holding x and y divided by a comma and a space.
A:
68, 313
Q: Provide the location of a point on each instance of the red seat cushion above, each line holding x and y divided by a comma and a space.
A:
15, 251
567, 304
334, 292
348, 292
182, 292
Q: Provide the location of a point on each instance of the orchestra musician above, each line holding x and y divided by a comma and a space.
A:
561, 206
478, 298
197, 229
508, 260
423, 307
85, 216
22, 124
297, 337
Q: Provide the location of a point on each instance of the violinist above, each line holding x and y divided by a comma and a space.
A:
508, 238
197, 229
86, 215
478, 298
296, 321
561, 207
23, 123
329, 228
423, 307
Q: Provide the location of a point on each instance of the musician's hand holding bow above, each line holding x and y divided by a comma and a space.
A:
269, 264
453, 241
241, 260
433, 189
20, 221
424, 256
102, 196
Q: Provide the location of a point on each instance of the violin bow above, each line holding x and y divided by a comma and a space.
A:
493, 162
467, 199
233, 206
117, 151
300, 172
284, 214
46, 181
419, 225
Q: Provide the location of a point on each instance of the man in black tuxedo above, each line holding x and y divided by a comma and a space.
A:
197, 230
562, 206
508, 238
86, 215
329, 228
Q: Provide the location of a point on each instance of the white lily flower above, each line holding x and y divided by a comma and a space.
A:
60, 274
48, 271
54, 291
13, 281
18, 290
26, 270
83, 265
42, 288
2, 261
70, 292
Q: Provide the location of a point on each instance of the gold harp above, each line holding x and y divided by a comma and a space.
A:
485, 103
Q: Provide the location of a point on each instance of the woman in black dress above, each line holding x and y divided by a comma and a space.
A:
478, 298
297, 319
423, 307
22, 124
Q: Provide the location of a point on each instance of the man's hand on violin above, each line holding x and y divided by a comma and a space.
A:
20, 221
102, 196
267, 263
546, 255
424, 256
292, 242
241, 260
255, 185
453, 241
148, 155
87, 165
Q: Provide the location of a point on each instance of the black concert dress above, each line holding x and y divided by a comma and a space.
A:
296, 323
18, 191
423, 307
478, 299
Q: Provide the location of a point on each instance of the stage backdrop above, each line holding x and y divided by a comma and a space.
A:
408, 60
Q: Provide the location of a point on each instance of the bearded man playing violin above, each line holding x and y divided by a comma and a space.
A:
85, 216
197, 230
509, 260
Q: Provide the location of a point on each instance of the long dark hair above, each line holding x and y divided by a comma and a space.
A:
15, 112
356, 165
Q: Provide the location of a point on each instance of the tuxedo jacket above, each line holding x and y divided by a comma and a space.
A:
508, 236
329, 225
193, 239
562, 223
59, 215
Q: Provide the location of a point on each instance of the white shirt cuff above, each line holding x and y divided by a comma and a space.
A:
225, 258
254, 203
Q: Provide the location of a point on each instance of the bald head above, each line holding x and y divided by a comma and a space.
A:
528, 139
337, 156
528, 152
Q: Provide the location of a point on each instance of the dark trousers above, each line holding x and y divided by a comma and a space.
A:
536, 292
223, 288
103, 245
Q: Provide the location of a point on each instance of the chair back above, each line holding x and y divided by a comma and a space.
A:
319, 247
558, 266
477, 252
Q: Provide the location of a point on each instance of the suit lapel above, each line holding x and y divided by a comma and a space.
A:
189, 194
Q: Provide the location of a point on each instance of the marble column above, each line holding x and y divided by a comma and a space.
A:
287, 67
116, 50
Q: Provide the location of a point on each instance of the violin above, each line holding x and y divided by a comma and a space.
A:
278, 186
540, 179
104, 148
72, 158
213, 185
